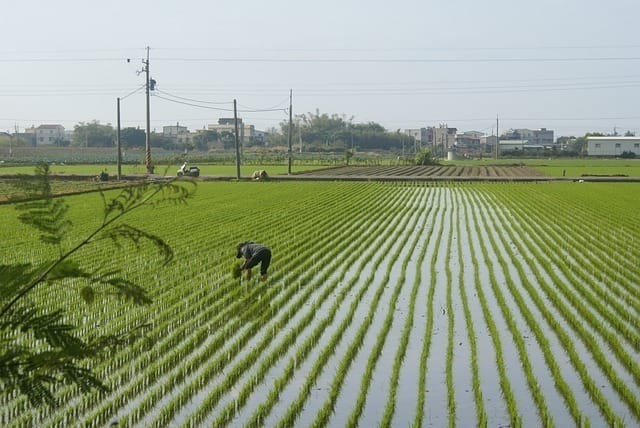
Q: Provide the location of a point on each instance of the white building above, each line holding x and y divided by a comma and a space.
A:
179, 134
523, 146
612, 146
49, 134
247, 132
539, 137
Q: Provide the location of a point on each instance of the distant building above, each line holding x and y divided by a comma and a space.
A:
177, 133
468, 139
261, 136
246, 132
443, 139
419, 135
488, 145
612, 146
520, 146
540, 137
49, 134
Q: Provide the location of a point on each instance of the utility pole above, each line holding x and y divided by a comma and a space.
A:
119, 157
147, 142
290, 129
497, 139
10, 144
235, 125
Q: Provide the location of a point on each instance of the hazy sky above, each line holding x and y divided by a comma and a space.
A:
567, 65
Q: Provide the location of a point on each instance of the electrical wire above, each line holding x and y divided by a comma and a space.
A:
190, 99
192, 104
198, 103
398, 60
134, 91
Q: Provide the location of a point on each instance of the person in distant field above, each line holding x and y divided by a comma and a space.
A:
260, 175
254, 254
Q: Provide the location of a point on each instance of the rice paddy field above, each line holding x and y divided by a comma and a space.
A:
387, 304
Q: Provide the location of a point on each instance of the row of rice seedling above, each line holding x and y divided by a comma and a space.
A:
297, 360
480, 409
583, 316
271, 357
313, 339
292, 288
372, 284
274, 305
532, 320
170, 320
609, 288
509, 315
451, 393
428, 332
381, 333
256, 324
292, 412
389, 410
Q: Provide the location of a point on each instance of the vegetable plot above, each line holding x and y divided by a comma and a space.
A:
391, 304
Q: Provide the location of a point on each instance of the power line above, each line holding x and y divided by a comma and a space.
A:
191, 99
193, 104
398, 60
198, 103
141, 87
335, 60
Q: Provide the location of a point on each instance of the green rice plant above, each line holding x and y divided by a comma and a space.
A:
540, 335
294, 409
236, 270
545, 418
505, 385
451, 398
377, 349
215, 396
312, 340
426, 347
404, 340
581, 331
481, 415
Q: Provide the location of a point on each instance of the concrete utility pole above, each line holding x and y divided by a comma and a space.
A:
147, 142
119, 157
290, 152
235, 125
497, 140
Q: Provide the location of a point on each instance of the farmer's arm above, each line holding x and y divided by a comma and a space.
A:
246, 252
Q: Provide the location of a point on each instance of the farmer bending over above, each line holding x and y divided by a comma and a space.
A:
254, 253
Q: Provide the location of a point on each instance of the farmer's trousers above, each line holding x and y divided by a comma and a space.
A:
263, 257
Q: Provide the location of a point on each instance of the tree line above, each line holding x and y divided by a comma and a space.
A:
323, 132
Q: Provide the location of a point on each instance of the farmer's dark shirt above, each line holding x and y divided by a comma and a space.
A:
250, 250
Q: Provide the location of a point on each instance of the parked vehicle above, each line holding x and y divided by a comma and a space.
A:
191, 171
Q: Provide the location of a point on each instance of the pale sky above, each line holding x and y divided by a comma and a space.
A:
567, 65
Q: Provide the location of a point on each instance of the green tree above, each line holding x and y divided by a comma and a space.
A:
424, 157
93, 134
337, 132
133, 137
38, 349
348, 154
159, 140
203, 139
